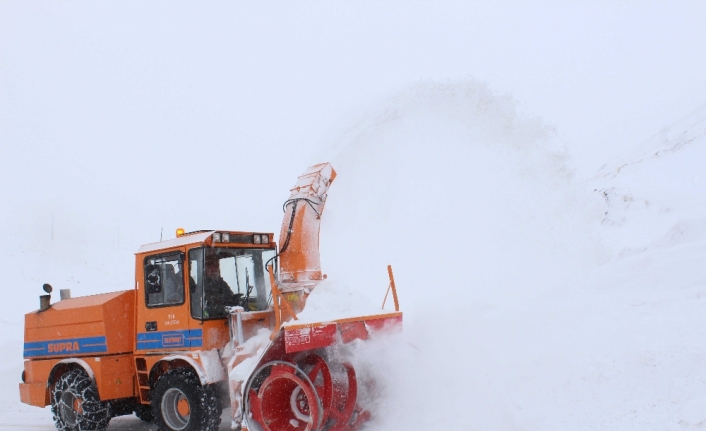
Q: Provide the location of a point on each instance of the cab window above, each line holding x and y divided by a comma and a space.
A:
227, 277
164, 280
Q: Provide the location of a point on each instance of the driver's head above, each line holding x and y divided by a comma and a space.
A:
211, 267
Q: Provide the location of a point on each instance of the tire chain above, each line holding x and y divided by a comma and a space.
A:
96, 414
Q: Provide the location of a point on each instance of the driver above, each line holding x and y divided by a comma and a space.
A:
217, 290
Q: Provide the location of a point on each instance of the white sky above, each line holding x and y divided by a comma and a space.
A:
117, 114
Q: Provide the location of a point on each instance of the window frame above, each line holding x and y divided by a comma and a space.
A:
181, 256
192, 295
203, 248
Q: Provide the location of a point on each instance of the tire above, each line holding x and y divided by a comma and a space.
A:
144, 412
180, 403
75, 404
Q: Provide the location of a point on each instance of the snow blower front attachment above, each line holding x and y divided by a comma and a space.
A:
299, 378
304, 382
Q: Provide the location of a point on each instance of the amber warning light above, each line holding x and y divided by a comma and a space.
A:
180, 232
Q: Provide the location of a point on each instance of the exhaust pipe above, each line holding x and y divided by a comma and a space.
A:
45, 300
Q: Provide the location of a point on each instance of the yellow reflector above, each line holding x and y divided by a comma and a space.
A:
180, 232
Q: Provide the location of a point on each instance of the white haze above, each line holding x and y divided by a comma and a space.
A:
526, 305
541, 291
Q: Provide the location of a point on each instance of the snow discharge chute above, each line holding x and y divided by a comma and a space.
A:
299, 236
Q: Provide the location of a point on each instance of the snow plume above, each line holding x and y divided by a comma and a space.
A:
475, 207
529, 304
466, 198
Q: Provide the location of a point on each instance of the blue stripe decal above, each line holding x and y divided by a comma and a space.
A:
170, 339
73, 346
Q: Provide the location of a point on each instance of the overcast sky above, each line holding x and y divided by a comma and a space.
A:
143, 114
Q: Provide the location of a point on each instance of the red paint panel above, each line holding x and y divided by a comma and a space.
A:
352, 331
310, 337
379, 324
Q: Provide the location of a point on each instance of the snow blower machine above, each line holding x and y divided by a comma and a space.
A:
213, 321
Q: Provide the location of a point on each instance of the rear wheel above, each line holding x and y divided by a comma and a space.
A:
75, 404
180, 403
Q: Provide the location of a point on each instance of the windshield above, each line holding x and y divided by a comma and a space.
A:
222, 277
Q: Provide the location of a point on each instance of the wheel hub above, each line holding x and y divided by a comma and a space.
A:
70, 408
176, 410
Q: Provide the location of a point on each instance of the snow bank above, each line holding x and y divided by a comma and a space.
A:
657, 186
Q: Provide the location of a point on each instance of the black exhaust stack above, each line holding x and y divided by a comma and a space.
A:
45, 300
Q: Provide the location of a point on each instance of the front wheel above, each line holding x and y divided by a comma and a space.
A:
181, 403
75, 404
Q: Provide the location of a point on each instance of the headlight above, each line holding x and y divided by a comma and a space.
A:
256, 239
226, 237
265, 239
217, 237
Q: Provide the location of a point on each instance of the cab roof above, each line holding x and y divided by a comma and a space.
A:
200, 237
187, 239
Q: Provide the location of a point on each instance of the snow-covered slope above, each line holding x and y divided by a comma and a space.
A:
659, 185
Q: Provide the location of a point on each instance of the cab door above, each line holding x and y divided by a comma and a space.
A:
208, 331
162, 303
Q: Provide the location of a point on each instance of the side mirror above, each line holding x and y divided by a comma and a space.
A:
154, 279
47, 287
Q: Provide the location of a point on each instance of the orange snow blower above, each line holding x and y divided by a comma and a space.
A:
212, 321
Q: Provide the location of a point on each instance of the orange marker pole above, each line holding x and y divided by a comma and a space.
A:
393, 287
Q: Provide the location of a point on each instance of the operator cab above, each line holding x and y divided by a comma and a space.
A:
208, 271
227, 271
222, 276
191, 280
